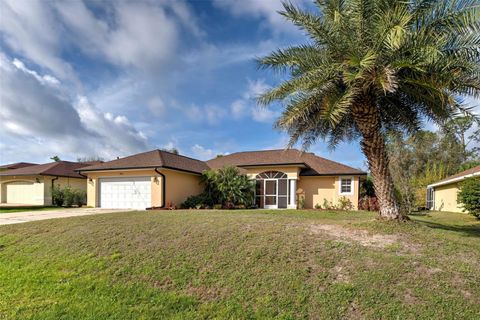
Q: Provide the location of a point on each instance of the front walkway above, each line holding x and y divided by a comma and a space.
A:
27, 216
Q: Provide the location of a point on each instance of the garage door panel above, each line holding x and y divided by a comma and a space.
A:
125, 192
20, 192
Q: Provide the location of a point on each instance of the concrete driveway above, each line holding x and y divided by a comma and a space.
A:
26, 216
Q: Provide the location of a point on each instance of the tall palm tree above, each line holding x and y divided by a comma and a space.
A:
375, 65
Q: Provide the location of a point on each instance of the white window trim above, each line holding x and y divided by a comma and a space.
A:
352, 186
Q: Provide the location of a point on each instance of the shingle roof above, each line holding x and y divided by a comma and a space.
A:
152, 159
315, 165
17, 165
60, 168
455, 177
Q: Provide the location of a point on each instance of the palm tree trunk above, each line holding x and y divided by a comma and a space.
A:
373, 146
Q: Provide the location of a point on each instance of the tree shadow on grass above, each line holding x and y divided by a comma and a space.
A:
469, 231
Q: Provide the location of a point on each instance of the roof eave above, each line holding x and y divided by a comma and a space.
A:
138, 168
454, 180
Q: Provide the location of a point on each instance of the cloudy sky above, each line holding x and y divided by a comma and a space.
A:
100, 78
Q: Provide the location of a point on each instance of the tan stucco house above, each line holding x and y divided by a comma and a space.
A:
158, 178
31, 184
442, 195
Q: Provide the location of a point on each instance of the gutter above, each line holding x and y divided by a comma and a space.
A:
163, 188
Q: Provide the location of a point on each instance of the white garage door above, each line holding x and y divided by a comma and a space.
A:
22, 192
125, 192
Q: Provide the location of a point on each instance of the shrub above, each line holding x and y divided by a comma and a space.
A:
469, 196
194, 202
57, 196
79, 198
368, 204
301, 202
66, 197
317, 206
344, 204
328, 205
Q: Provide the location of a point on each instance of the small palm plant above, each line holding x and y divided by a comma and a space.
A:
372, 66
228, 187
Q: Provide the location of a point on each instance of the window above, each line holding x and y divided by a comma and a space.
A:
346, 186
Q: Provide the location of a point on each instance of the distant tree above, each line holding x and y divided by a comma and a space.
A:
55, 158
468, 165
458, 128
419, 160
171, 150
371, 66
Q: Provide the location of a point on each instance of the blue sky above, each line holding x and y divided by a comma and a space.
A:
99, 78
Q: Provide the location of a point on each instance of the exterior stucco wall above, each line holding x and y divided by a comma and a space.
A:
317, 188
181, 185
446, 198
178, 185
35, 194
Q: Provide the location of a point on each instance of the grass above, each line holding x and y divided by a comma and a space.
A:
27, 208
241, 264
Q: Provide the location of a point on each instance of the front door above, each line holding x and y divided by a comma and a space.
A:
271, 193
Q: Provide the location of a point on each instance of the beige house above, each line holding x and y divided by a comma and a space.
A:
442, 195
284, 179
32, 184
151, 179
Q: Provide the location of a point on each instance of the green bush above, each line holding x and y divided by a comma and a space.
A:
67, 197
194, 202
57, 196
469, 196
344, 204
224, 188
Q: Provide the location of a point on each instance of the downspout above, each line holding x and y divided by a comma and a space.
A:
163, 187
53, 185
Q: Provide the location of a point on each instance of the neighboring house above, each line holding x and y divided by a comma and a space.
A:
16, 165
159, 178
32, 185
442, 195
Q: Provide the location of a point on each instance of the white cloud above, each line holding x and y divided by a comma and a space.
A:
29, 28
40, 120
156, 106
212, 114
266, 9
140, 34
247, 106
202, 153
238, 108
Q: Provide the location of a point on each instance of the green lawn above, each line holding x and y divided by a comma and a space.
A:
241, 264
27, 208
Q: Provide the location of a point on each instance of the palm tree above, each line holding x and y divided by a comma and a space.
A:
376, 65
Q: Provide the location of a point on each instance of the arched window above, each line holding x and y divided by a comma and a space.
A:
271, 175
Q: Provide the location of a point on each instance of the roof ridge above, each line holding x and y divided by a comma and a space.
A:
268, 150
179, 155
